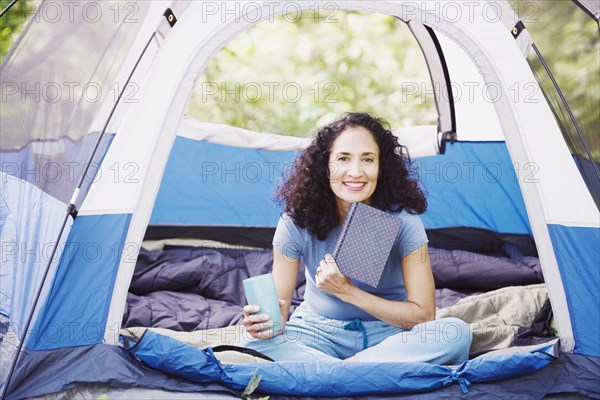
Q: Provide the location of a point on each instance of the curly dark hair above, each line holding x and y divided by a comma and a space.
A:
307, 196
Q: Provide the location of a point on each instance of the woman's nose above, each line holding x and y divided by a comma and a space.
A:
355, 170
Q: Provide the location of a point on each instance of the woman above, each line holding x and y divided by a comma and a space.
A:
354, 159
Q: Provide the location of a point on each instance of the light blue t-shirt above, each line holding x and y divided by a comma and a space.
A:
295, 242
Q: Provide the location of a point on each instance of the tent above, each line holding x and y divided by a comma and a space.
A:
87, 167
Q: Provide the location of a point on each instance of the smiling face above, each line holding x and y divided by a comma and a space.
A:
353, 167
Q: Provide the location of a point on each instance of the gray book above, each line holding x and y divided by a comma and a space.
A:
367, 237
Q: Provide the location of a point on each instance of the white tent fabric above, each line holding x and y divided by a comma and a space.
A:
421, 140
146, 30
476, 118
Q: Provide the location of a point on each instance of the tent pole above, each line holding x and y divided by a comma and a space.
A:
8, 7
571, 116
30, 316
112, 111
71, 211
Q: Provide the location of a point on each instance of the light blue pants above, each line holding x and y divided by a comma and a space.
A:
308, 336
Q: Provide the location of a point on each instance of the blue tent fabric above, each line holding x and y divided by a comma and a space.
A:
209, 193
474, 184
75, 311
335, 379
25, 252
97, 366
577, 249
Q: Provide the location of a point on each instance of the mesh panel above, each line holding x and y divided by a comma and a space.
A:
569, 41
59, 74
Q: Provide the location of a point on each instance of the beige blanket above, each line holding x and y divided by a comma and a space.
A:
496, 316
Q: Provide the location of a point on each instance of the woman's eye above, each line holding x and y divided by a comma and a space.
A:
343, 159
368, 160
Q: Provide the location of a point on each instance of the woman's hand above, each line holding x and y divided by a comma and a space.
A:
419, 306
259, 325
329, 278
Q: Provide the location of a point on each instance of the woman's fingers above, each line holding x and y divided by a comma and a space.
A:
328, 277
255, 319
259, 326
262, 335
250, 309
330, 264
327, 267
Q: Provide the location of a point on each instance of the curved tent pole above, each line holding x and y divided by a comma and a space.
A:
8, 7
590, 7
439, 74
451, 134
72, 208
71, 211
32, 312
21, 35
571, 116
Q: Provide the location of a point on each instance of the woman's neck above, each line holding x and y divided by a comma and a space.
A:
342, 207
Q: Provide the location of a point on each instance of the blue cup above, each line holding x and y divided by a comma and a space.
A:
261, 291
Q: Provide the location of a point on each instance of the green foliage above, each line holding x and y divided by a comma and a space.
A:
12, 23
360, 61
292, 75
251, 387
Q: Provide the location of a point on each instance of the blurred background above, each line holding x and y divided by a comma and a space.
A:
295, 73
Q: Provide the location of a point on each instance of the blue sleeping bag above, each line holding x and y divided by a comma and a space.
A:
334, 379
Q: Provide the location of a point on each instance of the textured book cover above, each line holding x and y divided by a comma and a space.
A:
365, 243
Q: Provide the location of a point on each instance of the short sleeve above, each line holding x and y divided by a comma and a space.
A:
288, 238
412, 234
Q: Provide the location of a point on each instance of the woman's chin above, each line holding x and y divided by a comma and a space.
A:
356, 198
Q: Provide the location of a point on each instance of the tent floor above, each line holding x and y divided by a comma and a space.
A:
571, 376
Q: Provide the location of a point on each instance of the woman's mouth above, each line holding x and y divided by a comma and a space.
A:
355, 186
